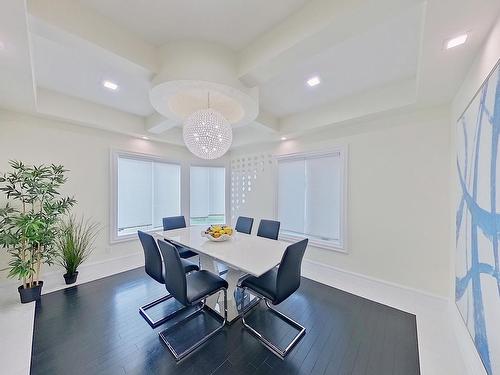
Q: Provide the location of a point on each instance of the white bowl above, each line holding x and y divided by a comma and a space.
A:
222, 238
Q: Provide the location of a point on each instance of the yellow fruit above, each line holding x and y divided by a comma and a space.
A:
216, 235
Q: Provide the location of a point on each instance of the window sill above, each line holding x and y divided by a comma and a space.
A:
124, 238
328, 245
132, 236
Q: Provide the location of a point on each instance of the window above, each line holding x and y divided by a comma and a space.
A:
311, 198
147, 190
208, 195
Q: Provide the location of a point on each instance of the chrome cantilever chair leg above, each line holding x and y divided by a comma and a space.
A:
151, 322
183, 354
273, 347
156, 323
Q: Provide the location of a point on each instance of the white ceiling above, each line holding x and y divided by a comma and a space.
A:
386, 53
73, 67
16, 78
372, 56
233, 23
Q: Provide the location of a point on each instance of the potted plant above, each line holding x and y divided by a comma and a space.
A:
29, 221
75, 244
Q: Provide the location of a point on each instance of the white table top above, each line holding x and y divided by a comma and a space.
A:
248, 253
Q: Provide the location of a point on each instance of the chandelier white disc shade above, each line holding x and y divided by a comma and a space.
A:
207, 134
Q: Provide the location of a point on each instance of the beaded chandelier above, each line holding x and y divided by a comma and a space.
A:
207, 134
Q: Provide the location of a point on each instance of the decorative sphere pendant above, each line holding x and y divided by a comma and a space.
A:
207, 134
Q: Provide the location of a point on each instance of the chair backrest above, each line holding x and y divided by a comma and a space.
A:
269, 229
175, 276
153, 262
244, 224
288, 279
174, 222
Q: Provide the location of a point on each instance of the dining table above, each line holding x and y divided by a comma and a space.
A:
241, 255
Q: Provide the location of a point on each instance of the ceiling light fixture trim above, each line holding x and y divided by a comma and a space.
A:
313, 81
456, 41
110, 85
162, 95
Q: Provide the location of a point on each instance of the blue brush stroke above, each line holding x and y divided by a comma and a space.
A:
495, 125
460, 210
487, 221
480, 335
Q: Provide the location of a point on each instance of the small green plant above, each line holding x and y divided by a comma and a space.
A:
29, 222
76, 242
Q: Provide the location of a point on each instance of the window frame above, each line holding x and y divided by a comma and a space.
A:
115, 155
342, 151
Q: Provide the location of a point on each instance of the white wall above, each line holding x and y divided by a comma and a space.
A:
398, 181
398, 203
86, 153
486, 59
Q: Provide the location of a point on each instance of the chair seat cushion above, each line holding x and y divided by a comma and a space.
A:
189, 266
185, 253
202, 283
265, 285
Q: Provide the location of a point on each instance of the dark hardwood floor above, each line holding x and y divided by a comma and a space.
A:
95, 328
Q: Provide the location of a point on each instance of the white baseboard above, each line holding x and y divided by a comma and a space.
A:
53, 279
86, 272
92, 271
385, 292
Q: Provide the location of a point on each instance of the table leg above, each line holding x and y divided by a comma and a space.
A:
236, 300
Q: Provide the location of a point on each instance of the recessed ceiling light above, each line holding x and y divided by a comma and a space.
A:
145, 138
313, 81
110, 85
283, 138
454, 42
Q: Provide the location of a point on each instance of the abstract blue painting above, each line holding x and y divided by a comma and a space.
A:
477, 284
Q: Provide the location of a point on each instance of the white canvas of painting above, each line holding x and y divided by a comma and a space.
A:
477, 284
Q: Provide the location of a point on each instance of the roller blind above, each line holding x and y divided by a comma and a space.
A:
207, 195
148, 190
309, 196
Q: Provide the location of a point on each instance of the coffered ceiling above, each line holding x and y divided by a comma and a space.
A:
372, 56
234, 23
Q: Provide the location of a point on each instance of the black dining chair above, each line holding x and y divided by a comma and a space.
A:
269, 229
244, 224
274, 287
154, 267
177, 222
190, 290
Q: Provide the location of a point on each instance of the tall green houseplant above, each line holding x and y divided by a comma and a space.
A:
75, 244
30, 219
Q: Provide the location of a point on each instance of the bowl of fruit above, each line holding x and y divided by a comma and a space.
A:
218, 233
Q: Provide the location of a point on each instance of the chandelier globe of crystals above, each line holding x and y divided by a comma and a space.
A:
207, 133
